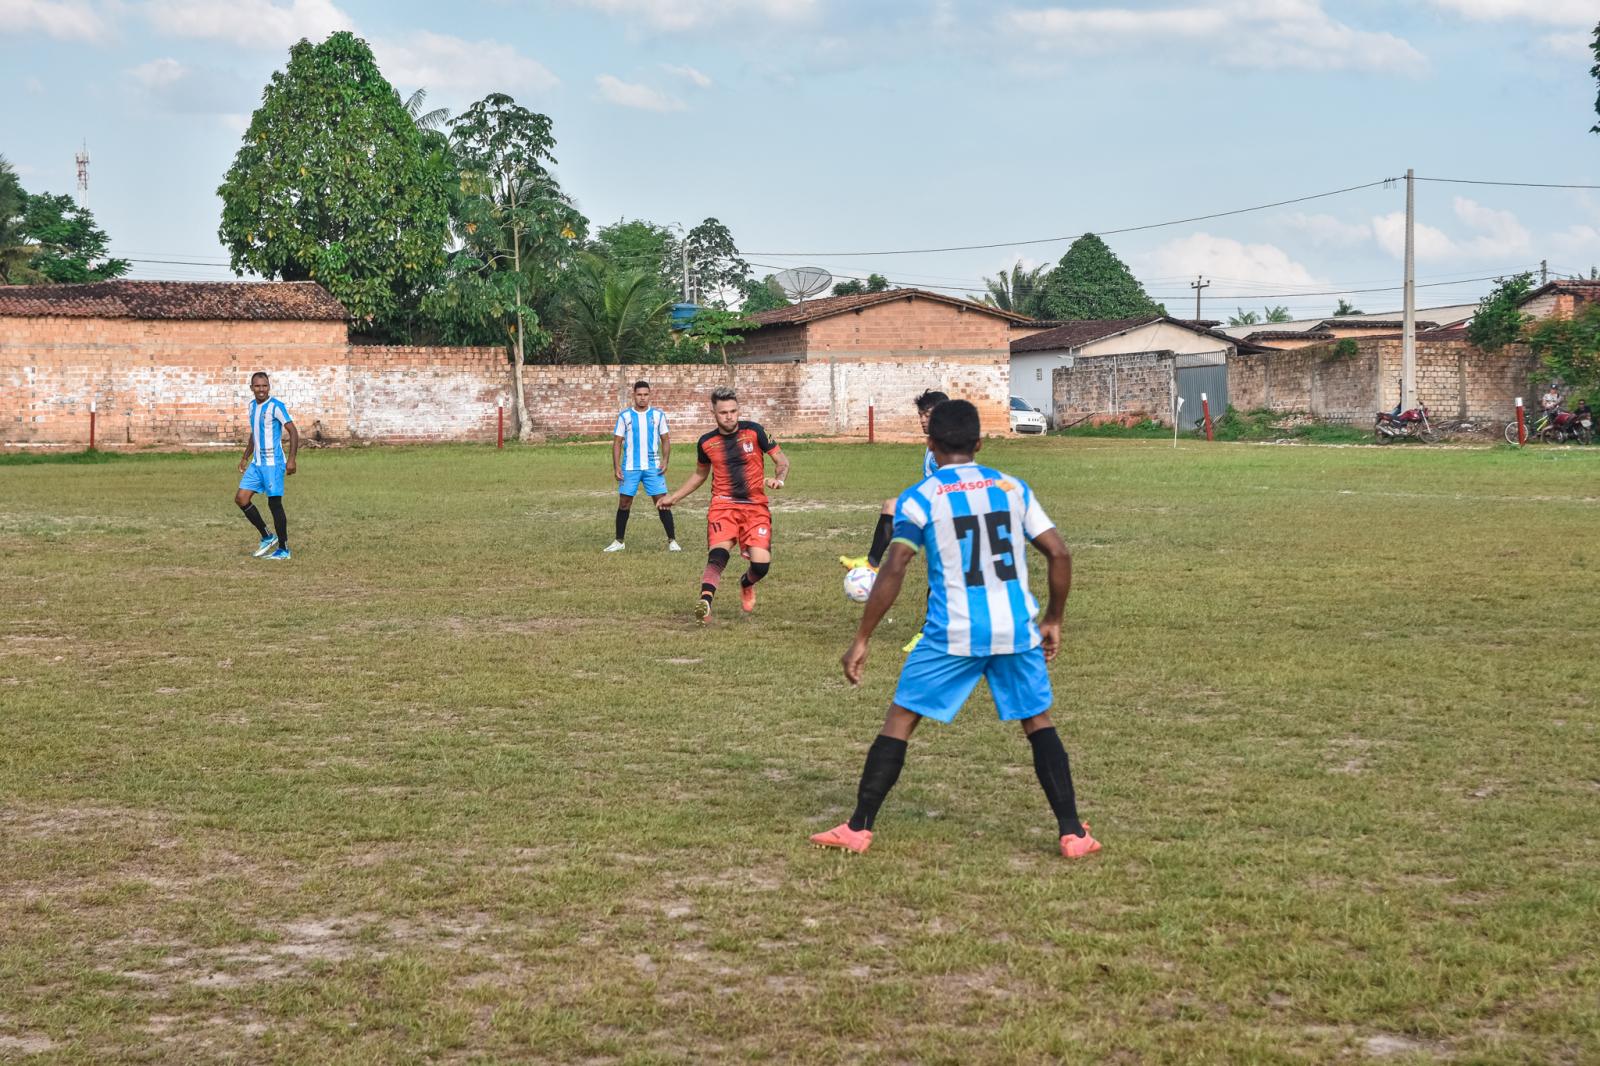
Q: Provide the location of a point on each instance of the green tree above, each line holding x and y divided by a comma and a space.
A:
16, 250
856, 286
1018, 290
715, 268
426, 121
1569, 350
618, 315
333, 183
636, 244
715, 328
1345, 308
69, 246
1243, 318
1498, 321
1278, 314
1594, 72
1091, 282
763, 295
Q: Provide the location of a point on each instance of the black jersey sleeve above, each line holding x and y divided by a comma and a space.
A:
765, 442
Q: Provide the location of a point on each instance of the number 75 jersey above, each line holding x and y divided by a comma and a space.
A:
974, 523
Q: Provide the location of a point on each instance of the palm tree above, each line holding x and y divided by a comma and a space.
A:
16, 251
427, 121
1019, 290
614, 311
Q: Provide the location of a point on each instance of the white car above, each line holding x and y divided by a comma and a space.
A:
1025, 419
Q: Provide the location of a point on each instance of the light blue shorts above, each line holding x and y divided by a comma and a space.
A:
654, 484
263, 479
935, 684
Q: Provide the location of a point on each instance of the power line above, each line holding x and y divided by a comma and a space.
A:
1075, 236
1510, 184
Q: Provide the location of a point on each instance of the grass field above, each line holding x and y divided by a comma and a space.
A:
452, 786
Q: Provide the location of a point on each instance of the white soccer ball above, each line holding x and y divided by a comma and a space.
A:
858, 583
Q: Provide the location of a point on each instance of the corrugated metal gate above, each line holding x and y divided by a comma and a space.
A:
1192, 381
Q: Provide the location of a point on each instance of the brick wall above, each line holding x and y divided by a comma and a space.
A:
1138, 384
1454, 379
188, 383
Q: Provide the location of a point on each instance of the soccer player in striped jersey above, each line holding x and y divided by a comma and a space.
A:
640, 447
885, 529
971, 521
734, 456
265, 465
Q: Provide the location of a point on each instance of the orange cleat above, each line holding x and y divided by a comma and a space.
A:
842, 836
747, 598
1075, 847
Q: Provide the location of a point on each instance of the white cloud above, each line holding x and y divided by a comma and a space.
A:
1499, 235
1570, 45
442, 64
680, 15
1553, 12
158, 73
1325, 230
249, 23
628, 94
67, 20
699, 80
33, 86
1224, 257
1268, 34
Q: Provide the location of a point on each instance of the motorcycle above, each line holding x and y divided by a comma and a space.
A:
1575, 426
1392, 425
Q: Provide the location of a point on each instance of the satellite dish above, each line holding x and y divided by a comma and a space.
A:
802, 283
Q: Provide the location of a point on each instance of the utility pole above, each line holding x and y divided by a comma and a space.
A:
1408, 336
685, 246
1544, 271
1197, 284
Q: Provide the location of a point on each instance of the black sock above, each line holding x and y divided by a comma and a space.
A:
1055, 776
716, 559
756, 572
880, 539
622, 523
280, 521
668, 524
254, 515
884, 760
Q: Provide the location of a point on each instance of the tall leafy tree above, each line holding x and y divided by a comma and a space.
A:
333, 183
636, 244
1594, 71
1091, 282
1499, 321
1569, 350
716, 328
1018, 290
716, 270
856, 286
618, 315
69, 246
515, 217
1278, 314
16, 250
1345, 308
1244, 318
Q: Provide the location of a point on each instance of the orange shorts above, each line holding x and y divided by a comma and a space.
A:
747, 525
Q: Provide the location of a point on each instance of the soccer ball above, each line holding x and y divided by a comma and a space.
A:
858, 583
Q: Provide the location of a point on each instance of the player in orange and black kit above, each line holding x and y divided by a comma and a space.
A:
734, 456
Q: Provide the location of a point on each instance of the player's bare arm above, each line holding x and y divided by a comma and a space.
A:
702, 472
249, 450
884, 592
294, 449
780, 469
666, 452
1059, 563
616, 457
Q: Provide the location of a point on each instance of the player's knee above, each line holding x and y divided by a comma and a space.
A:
624, 503
242, 499
759, 570
718, 557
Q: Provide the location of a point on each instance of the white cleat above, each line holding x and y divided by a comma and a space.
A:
614, 546
672, 546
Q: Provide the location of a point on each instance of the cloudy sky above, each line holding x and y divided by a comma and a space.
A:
814, 128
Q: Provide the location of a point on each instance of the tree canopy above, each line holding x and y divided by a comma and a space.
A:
1018, 290
1498, 321
1090, 282
45, 238
333, 182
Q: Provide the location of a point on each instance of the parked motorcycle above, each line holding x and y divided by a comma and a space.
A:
1391, 425
1576, 426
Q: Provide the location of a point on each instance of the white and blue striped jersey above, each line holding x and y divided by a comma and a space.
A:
266, 427
974, 523
641, 433
929, 464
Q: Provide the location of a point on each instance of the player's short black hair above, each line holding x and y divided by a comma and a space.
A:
955, 427
721, 393
641, 384
929, 400
258, 374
